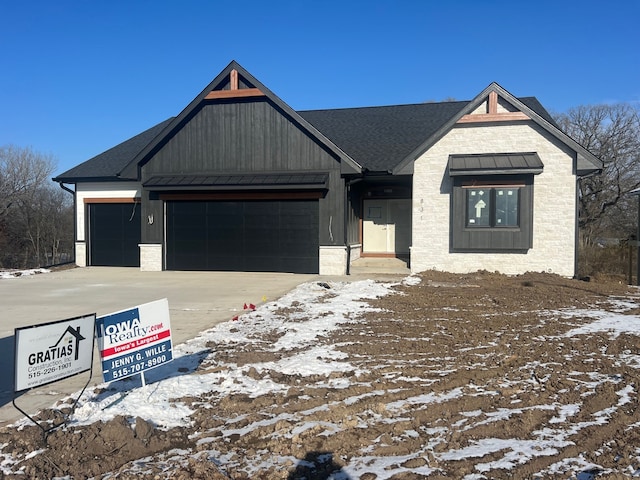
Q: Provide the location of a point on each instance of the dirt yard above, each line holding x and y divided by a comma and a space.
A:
474, 376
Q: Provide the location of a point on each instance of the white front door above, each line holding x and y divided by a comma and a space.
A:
386, 226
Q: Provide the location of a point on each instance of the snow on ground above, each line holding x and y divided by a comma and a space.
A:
5, 274
311, 313
299, 330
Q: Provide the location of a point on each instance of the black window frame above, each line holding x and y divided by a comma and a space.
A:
492, 239
492, 205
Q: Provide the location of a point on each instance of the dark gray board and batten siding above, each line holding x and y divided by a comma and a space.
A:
244, 136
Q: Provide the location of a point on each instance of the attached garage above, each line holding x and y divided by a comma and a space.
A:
114, 234
248, 235
240, 181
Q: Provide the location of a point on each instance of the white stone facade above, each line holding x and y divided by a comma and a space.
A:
150, 257
554, 210
355, 251
81, 254
333, 260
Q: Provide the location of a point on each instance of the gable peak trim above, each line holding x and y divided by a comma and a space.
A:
234, 90
492, 112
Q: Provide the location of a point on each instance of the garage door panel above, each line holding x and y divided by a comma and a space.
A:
245, 236
303, 264
114, 234
190, 261
262, 241
221, 237
225, 263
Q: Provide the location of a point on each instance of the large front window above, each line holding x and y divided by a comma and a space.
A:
492, 213
492, 206
492, 201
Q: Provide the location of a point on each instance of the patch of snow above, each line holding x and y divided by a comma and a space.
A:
7, 274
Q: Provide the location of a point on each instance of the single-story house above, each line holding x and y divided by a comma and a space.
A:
240, 181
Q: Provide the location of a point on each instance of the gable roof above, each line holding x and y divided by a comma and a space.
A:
586, 162
218, 87
383, 139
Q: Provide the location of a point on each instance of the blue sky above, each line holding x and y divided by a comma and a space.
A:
78, 77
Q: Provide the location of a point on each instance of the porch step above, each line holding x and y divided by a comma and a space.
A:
373, 265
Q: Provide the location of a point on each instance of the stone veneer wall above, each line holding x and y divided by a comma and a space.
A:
150, 257
554, 190
81, 254
355, 252
333, 260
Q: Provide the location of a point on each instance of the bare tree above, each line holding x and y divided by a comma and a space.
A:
612, 133
22, 170
36, 217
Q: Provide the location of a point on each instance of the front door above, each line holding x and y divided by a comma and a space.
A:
386, 226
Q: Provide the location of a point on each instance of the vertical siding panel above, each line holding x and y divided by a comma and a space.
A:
252, 136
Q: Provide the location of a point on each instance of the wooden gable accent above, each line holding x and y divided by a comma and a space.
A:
493, 112
234, 91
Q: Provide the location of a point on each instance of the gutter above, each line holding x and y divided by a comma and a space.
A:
67, 189
75, 223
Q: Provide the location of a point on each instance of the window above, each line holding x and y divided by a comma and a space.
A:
492, 213
492, 201
492, 207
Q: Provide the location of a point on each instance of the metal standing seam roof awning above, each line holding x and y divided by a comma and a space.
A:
495, 164
249, 181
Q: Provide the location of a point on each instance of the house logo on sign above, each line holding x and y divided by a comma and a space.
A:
64, 347
75, 333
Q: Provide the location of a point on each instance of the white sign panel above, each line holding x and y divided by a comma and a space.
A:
132, 341
53, 351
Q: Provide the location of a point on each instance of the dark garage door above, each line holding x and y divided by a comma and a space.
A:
250, 236
114, 234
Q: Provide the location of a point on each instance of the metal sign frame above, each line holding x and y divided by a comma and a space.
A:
49, 352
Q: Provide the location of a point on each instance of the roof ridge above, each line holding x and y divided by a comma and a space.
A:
383, 106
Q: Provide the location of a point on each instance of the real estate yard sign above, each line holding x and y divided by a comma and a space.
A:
52, 351
135, 340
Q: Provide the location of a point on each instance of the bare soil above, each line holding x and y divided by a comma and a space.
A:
479, 344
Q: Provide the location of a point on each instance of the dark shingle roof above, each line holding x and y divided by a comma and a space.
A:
536, 106
380, 137
377, 138
108, 164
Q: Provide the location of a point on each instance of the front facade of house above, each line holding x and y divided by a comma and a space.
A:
239, 181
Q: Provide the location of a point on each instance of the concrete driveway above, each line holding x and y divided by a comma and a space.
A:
197, 301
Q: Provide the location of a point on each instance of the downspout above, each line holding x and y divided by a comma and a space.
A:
347, 192
576, 241
75, 223
577, 220
72, 192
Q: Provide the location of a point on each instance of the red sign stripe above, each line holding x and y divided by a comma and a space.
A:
139, 342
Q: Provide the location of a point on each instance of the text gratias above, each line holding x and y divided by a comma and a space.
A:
53, 351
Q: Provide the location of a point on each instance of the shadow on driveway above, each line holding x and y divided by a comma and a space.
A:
7, 354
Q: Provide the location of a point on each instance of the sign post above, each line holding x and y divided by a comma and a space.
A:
135, 340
